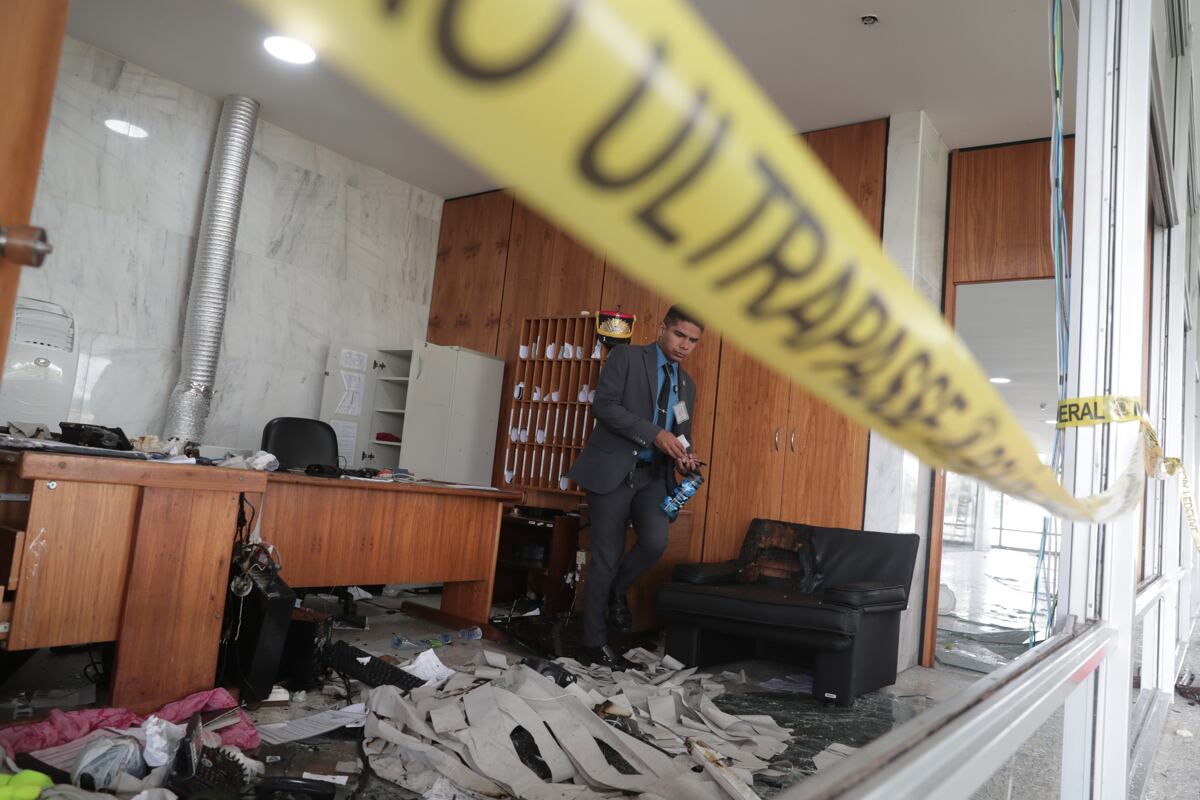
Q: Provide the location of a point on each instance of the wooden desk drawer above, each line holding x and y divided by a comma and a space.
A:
73, 564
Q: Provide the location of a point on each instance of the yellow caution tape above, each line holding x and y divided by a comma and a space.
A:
1082, 411
1147, 459
630, 124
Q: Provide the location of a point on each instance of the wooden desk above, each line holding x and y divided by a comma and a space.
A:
342, 532
109, 549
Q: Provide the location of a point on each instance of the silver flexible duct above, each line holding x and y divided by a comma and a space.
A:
187, 410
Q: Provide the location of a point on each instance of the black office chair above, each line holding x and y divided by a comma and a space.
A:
299, 442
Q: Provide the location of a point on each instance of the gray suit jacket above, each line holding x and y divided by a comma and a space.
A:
624, 408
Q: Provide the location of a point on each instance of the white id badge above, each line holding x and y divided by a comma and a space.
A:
681, 412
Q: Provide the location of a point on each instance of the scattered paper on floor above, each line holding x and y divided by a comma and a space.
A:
833, 754
511, 731
306, 727
429, 668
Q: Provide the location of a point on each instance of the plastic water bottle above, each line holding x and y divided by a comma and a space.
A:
672, 505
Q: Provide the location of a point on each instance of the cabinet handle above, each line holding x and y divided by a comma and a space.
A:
792, 441
777, 440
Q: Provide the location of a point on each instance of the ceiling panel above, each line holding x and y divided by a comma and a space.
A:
979, 68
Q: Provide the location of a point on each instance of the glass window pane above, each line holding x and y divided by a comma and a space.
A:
1145, 638
961, 495
1034, 772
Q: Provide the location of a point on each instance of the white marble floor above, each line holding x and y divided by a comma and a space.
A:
991, 587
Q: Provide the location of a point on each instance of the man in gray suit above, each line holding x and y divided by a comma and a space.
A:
643, 409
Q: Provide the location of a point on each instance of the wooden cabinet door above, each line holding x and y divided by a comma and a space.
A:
746, 476
856, 156
825, 472
33, 36
468, 284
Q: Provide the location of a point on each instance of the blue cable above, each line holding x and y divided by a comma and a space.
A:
1059, 248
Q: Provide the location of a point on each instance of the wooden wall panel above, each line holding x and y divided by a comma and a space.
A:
468, 284
999, 219
548, 274
857, 157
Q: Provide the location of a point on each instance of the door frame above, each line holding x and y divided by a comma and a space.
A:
28, 71
957, 274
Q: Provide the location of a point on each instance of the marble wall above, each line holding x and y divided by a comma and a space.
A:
328, 250
914, 226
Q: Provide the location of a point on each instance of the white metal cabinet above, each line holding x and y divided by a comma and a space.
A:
429, 409
474, 413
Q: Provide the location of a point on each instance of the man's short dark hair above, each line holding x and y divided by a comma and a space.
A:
676, 314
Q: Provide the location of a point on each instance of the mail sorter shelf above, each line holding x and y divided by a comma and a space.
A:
552, 390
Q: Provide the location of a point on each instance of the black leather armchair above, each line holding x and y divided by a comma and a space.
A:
801, 591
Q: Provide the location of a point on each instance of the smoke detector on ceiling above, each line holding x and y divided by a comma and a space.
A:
870, 19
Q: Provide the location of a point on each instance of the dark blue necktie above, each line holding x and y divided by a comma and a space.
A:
664, 397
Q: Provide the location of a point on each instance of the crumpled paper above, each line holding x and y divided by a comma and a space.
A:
261, 461
162, 740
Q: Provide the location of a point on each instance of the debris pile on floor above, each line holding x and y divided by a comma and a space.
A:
538, 729
565, 732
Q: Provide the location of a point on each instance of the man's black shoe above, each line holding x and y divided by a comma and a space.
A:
603, 657
620, 618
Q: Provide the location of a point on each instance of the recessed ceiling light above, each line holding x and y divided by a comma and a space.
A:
125, 128
1050, 421
1000, 380
293, 51
869, 19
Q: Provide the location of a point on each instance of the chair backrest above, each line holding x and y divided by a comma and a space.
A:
842, 557
813, 557
299, 442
